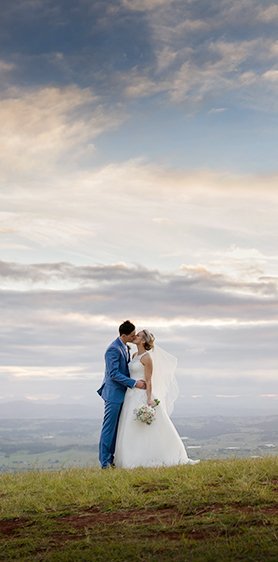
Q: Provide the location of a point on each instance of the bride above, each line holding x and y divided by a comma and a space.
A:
158, 444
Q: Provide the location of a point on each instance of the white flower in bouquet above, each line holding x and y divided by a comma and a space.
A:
145, 413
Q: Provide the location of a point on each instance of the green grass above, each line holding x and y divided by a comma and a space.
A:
217, 510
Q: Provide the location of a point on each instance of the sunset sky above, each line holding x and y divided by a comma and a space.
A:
139, 174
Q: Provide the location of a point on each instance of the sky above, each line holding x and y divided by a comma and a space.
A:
138, 173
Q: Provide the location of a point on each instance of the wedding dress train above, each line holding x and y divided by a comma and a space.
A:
139, 444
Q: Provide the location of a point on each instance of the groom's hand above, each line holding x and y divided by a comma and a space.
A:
141, 384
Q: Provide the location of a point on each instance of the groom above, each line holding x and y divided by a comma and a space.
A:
113, 389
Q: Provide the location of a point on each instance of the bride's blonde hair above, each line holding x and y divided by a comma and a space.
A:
148, 339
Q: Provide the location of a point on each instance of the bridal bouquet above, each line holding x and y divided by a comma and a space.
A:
145, 413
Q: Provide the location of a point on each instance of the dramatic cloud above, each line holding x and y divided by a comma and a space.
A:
138, 179
224, 333
183, 52
194, 62
192, 295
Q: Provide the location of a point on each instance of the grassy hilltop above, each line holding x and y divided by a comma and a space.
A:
217, 510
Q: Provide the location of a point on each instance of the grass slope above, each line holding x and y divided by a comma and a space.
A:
218, 510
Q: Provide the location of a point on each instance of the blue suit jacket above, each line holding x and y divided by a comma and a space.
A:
116, 378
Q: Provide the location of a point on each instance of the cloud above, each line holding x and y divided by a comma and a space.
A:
171, 49
172, 212
217, 110
44, 125
59, 318
146, 5
5, 67
43, 397
165, 58
162, 220
214, 66
213, 69
269, 14
37, 226
271, 75
227, 396
117, 289
140, 85
228, 68
245, 253
192, 25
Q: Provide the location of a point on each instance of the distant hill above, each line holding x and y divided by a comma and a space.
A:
43, 409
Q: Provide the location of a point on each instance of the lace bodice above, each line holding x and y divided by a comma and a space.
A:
136, 368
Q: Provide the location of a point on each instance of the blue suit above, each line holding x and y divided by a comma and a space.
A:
113, 389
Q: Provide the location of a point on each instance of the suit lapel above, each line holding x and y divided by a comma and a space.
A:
124, 350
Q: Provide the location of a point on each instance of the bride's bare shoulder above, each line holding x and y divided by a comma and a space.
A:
146, 359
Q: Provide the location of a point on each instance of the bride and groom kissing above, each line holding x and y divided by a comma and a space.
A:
128, 384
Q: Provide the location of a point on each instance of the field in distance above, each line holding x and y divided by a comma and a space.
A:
52, 444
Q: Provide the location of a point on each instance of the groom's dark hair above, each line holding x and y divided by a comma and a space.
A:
126, 328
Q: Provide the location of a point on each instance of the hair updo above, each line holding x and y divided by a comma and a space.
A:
148, 340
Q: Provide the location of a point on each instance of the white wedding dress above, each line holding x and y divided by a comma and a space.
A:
139, 444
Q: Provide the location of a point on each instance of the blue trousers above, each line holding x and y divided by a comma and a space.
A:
108, 435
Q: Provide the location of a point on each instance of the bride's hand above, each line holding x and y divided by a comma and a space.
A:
152, 403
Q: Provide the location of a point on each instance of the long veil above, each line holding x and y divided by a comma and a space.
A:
164, 383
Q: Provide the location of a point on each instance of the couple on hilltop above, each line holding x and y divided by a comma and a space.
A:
134, 392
